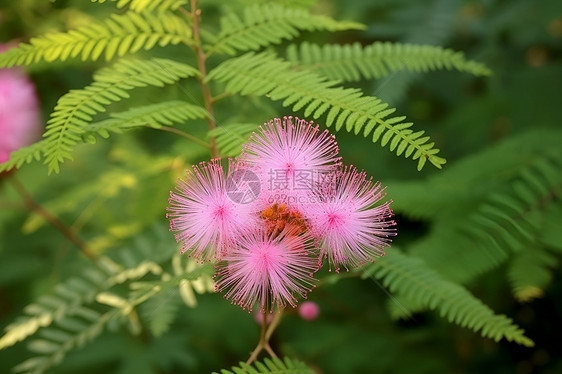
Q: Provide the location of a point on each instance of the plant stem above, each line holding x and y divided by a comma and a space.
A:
51, 219
276, 321
221, 96
201, 61
270, 350
185, 135
262, 342
265, 335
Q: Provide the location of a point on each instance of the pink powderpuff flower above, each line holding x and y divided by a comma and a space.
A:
270, 270
19, 111
309, 310
206, 219
290, 156
350, 228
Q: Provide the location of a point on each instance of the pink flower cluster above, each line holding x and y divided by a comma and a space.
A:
270, 217
19, 111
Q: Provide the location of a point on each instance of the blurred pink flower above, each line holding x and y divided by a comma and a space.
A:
270, 270
206, 220
350, 228
309, 310
19, 111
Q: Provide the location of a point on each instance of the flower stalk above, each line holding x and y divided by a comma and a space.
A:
266, 332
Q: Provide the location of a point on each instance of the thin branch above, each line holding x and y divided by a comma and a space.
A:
221, 96
10, 205
185, 135
276, 321
265, 335
262, 343
270, 350
201, 60
185, 12
51, 219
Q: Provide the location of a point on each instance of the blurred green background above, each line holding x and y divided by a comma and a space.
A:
105, 195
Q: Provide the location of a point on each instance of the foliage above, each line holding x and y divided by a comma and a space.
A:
74, 110
261, 26
71, 316
530, 273
480, 239
275, 365
495, 222
140, 5
155, 116
351, 62
265, 25
231, 137
116, 36
411, 278
264, 74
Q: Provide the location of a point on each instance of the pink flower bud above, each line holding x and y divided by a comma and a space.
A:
309, 310
258, 317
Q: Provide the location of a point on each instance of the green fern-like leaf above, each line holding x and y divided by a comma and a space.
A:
509, 220
530, 272
270, 366
69, 299
83, 325
187, 288
489, 206
155, 115
262, 25
24, 155
551, 235
160, 311
116, 36
76, 292
352, 62
231, 137
412, 278
401, 307
65, 319
264, 74
306, 4
66, 298
141, 5
75, 110
478, 176
56, 342
162, 296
